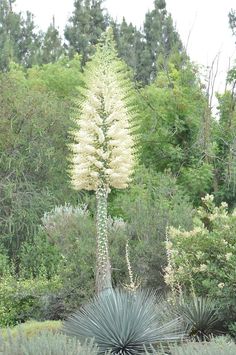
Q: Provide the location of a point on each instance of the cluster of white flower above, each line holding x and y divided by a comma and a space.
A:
224, 204
221, 285
199, 255
169, 275
175, 232
203, 268
103, 148
228, 256
208, 198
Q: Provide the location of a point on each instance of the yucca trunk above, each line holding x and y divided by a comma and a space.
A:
103, 270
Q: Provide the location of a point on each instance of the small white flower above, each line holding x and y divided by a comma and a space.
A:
224, 204
228, 256
208, 198
203, 267
221, 285
169, 245
199, 255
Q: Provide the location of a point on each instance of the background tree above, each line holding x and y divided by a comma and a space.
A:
19, 41
51, 48
139, 48
225, 139
173, 107
232, 21
103, 148
85, 28
160, 37
131, 47
34, 125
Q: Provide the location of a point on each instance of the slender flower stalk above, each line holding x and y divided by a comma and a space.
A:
134, 284
103, 151
103, 272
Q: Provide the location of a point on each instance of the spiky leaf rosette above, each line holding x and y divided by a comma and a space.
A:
123, 322
104, 146
201, 315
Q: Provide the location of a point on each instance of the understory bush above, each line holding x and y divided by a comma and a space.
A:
66, 247
232, 330
24, 299
218, 346
153, 202
31, 328
44, 344
203, 260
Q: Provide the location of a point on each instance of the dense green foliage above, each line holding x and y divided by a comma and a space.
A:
23, 43
202, 260
24, 299
31, 328
47, 230
85, 27
18, 40
153, 202
33, 173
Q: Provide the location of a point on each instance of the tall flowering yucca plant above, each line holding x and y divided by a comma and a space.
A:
103, 152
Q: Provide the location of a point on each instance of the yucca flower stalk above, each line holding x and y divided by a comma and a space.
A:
103, 152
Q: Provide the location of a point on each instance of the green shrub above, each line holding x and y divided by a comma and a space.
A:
123, 322
219, 346
197, 181
4, 263
71, 231
64, 248
32, 170
153, 202
21, 299
44, 344
39, 258
232, 329
203, 259
32, 328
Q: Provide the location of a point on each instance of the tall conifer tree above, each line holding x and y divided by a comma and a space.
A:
52, 47
18, 40
85, 27
160, 37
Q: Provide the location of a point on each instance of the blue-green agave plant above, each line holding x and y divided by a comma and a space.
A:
200, 314
123, 322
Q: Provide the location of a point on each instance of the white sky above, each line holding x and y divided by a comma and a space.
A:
205, 22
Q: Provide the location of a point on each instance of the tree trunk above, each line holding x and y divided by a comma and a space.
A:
103, 266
